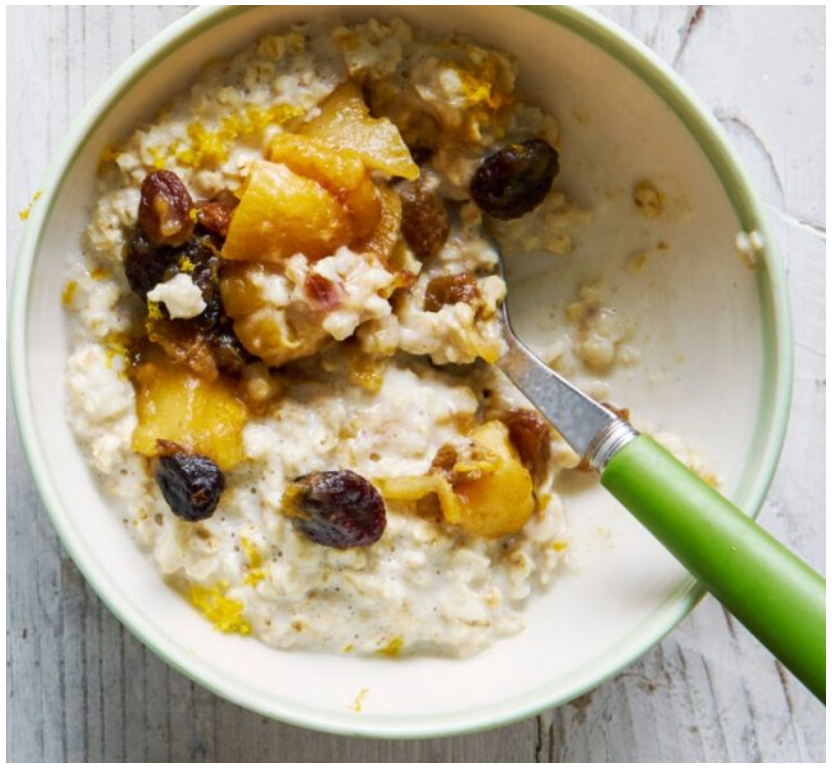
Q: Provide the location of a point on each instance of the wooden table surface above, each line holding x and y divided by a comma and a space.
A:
80, 688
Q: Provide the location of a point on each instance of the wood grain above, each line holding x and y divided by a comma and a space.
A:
81, 688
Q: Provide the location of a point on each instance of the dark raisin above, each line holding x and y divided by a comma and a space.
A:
451, 289
191, 483
514, 181
202, 260
425, 223
531, 435
227, 350
145, 265
336, 509
165, 209
322, 292
215, 215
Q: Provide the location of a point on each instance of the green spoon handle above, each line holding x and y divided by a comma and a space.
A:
779, 598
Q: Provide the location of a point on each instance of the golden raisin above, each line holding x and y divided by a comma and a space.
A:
451, 289
215, 215
531, 435
425, 223
165, 209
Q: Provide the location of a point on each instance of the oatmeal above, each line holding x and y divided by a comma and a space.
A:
282, 324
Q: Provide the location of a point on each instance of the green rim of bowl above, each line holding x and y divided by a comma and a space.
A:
757, 475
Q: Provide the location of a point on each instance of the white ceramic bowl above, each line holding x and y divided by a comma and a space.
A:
716, 370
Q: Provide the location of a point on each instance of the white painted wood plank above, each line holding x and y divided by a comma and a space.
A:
80, 688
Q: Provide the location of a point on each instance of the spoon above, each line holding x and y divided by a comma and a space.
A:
779, 598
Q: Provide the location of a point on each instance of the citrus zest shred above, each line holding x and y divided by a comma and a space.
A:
68, 293
255, 574
392, 649
225, 613
24, 214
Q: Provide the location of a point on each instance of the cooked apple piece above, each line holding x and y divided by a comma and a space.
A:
276, 334
341, 172
416, 488
174, 404
345, 123
282, 213
383, 238
488, 494
497, 503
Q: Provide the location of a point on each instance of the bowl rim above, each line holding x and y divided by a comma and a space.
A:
756, 477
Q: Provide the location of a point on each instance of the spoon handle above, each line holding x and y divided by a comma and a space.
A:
771, 591
779, 598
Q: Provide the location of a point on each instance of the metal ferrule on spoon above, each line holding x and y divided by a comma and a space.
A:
779, 598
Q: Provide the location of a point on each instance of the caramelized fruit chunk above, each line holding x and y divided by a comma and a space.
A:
191, 484
382, 240
488, 493
165, 209
340, 171
277, 335
282, 213
336, 509
173, 404
499, 502
425, 223
514, 180
345, 123
451, 289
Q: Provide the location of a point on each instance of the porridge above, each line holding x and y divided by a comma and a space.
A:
282, 325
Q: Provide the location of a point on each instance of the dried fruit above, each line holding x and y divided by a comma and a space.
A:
200, 258
451, 289
531, 435
191, 483
145, 264
165, 209
215, 215
425, 223
514, 180
336, 509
